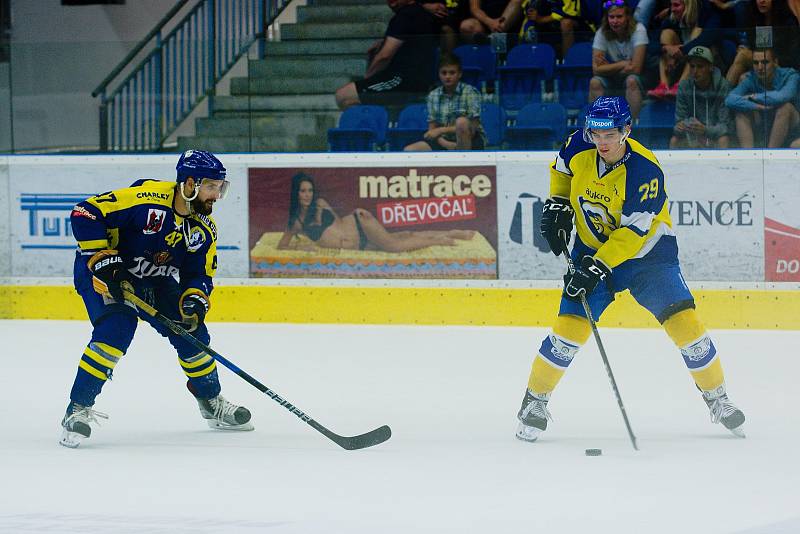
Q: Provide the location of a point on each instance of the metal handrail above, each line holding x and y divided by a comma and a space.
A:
138, 48
168, 82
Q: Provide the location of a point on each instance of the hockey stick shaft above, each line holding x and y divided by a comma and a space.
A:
374, 437
601, 348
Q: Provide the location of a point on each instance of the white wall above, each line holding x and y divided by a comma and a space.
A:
58, 56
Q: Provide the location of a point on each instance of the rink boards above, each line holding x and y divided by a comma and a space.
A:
734, 213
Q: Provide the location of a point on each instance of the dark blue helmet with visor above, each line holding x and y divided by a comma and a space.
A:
203, 167
606, 113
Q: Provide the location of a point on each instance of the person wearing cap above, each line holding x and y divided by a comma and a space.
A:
618, 54
157, 239
701, 118
765, 101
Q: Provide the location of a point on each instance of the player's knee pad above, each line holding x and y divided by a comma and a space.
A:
569, 333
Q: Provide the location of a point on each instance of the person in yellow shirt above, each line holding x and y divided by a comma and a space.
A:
612, 187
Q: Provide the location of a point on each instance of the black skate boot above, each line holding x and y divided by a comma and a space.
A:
533, 416
76, 424
724, 411
223, 415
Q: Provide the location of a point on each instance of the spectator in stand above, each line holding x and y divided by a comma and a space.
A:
449, 14
401, 65
573, 19
690, 23
785, 36
492, 16
765, 102
618, 54
652, 13
454, 112
701, 118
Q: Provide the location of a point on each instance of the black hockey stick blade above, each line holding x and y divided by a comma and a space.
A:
362, 441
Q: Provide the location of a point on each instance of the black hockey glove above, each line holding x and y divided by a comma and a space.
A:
108, 272
585, 278
193, 307
556, 225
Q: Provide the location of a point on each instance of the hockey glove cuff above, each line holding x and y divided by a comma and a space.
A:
556, 225
194, 306
108, 272
585, 278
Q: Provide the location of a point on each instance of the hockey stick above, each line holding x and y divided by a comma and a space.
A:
362, 441
588, 312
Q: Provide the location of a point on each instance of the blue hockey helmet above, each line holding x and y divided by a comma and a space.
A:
605, 113
200, 164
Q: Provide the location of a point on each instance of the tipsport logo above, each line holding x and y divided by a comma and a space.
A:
47, 219
525, 222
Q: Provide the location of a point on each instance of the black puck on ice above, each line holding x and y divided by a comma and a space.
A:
594, 452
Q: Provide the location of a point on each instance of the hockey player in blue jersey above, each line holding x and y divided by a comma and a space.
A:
160, 237
612, 187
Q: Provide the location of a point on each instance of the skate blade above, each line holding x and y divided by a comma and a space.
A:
738, 432
71, 439
216, 425
528, 433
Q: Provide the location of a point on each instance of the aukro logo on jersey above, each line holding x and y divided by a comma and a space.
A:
196, 239
143, 268
155, 220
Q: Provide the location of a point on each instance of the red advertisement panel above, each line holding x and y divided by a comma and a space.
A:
782, 252
373, 222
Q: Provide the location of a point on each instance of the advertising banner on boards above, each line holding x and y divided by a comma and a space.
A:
782, 222
373, 222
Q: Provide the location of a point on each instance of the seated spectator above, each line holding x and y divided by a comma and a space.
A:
449, 14
401, 66
454, 112
690, 23
652, 13
764, 101
618, 54
492, 16
570, 18
701, 118
783, 27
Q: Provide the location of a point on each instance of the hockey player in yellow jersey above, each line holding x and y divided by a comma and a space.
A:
612, 187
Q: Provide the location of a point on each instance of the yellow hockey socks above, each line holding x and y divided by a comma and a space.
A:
558, 349
697, 349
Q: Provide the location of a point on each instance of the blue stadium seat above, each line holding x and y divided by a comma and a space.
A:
361, 129
538, 127
493, 120
522, 78
478, 63
411, 126
573, 75
656, 121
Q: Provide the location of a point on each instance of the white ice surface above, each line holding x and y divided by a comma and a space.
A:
452, 466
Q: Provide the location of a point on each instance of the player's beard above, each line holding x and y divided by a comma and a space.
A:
203, 207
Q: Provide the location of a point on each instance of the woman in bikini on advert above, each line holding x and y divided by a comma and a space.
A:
313, 217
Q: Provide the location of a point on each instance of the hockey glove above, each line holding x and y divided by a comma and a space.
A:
556, 225
194, 307
585, 278
108, 272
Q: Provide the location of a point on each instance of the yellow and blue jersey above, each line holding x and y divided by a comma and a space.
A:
621, 211
153, 240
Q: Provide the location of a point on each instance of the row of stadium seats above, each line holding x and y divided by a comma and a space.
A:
537, 126
527, 70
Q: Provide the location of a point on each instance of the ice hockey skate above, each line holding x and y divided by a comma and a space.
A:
221, 414
76, 424
533, 416
724, 411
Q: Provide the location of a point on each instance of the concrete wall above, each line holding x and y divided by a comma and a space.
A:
58, 56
